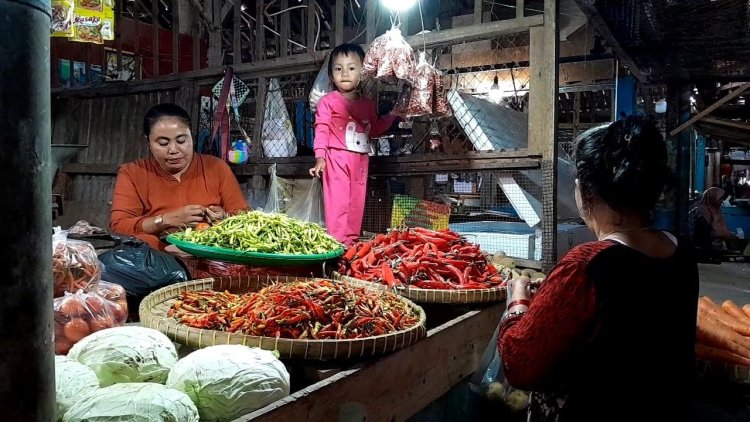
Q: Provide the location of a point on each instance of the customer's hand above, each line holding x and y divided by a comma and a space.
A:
320, 166
518, 289
186, 216
215, 213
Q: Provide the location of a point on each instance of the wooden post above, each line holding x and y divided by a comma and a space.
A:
260, 107
285, 31
543, 87
520, 9
478, 11
260, 33
175, 36
196, 33
155, 35
237, 32
338, 26
372, 20
215, 56
311, 26
118, 39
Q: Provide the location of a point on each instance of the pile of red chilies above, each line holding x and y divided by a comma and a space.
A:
318, 309
422, 258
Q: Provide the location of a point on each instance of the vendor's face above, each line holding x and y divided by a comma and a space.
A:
347, 71
171, 144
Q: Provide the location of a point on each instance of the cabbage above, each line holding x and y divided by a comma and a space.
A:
126, 354
133, 402
228, 381
72, 380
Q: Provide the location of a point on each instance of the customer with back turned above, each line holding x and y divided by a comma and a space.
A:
610, 334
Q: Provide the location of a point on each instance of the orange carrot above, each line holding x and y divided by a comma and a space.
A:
718, 355
732, 309
706, 307
711, 332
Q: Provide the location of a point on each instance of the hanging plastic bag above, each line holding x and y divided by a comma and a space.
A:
321, 86
417, 99
390, 58
74, 264
489, 380
279, 192
277, 135
79, 314
309, 207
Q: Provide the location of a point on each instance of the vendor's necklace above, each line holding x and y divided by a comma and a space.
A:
606, 236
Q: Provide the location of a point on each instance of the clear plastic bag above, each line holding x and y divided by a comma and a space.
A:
279, 192
309, 207
75, 264
390, 58
79, 314
321, 86
489, 380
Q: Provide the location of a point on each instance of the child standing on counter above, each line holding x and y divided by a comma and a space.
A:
344, 123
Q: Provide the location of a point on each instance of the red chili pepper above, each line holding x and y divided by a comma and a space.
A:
349, 255
456, 273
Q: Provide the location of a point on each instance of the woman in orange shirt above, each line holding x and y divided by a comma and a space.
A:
175, 187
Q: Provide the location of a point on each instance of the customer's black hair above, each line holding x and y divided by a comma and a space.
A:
344, 50
159, 111
624, 164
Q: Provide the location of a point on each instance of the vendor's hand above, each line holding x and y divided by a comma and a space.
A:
188, 215
320, 166
215, 213
518, 289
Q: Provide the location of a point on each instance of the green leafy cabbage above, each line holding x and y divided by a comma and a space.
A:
229, 381
72, 380
133, 402
126, 354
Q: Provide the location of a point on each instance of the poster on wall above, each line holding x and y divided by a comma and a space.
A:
126, 72
79, 74
63, 73
95, 74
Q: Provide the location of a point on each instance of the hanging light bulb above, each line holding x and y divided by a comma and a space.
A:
398, 5
495, 94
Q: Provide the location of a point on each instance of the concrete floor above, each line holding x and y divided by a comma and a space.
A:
729, 280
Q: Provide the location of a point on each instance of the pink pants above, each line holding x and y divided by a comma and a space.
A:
344, 190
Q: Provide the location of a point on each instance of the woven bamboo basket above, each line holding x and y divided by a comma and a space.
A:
735, 373
495, 294
154, 307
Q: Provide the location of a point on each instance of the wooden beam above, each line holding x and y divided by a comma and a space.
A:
260, 32
728, 123
215, 53
260, 107
398, 385
338, 25
285, 30
175, 36
237, 33
155, 35
196, 34
311, 27
592, 14
118, 39
710, 108
475, 32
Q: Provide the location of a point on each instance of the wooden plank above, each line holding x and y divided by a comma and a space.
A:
175, 36
237, 33
89, 168
118, 39
372, 20
728, 123
215, 55
285, 30
520, 9
260, 107
478, 6
338, 25
710, 108
155, 35
399, 385
196, 33
311, 26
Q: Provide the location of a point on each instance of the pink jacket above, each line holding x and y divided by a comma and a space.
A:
346, 124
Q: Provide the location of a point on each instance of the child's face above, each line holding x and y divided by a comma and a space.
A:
347, 71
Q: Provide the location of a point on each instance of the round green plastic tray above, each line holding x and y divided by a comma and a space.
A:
253, 258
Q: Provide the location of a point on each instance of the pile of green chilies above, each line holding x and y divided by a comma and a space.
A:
257, 231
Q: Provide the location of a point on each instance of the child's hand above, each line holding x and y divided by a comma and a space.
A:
320, 166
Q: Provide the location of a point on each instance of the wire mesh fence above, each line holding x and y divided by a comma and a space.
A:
497, 209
